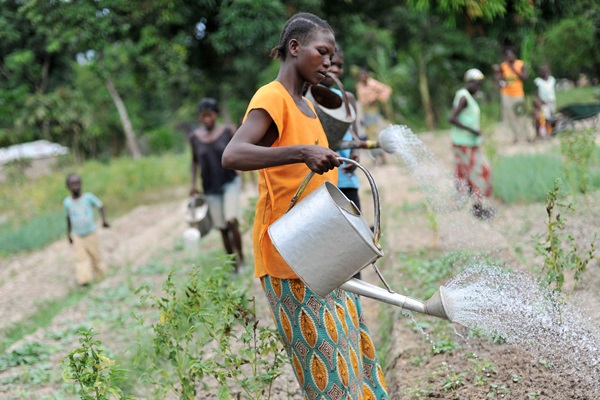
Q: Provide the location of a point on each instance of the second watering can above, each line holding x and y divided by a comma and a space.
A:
324, 238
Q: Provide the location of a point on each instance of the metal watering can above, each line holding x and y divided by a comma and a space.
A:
335, 113
325, 240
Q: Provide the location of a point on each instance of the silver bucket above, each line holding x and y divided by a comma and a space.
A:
197, 214
324, 238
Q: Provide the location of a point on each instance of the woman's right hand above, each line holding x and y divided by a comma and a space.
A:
320, 159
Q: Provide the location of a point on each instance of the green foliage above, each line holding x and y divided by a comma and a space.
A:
577, 148
444, 345
248, 214
164, 139
578, 34
525, 178
454, 10
94, 373
33, 233
15, 170
431, 271
557, 258
28, 354
482, 369
577, 95
497, 389
453, 380
207, 329
32, 358
167, 54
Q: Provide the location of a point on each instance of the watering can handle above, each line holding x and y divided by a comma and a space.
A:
376, 204
344, 94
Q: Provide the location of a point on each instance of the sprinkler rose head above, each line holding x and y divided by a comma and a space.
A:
438, 305
390, 138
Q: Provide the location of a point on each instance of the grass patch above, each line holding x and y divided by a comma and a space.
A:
576, 95
525, 178
33, 233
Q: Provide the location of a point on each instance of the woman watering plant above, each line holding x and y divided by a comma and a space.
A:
473, 170
329, 346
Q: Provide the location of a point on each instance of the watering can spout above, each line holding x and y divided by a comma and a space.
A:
436, 306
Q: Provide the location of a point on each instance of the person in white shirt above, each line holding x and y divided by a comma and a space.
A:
546, 99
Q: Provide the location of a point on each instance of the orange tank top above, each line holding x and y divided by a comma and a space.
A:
277, 185
514, 85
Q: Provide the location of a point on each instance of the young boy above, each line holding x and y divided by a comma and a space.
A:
80, 220
545, 102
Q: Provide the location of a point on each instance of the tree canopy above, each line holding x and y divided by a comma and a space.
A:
107, 75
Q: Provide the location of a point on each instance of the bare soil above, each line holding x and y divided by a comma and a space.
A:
413, 372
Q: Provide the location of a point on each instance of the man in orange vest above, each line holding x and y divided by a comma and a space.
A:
510, 78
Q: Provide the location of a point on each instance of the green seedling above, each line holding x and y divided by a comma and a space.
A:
558, 258
453, 380
207, 335
28, 354
444, 346
496, 389
95, 375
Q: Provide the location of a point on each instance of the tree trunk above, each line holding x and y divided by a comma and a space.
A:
41, 88
75, 146
424, 91
125, 121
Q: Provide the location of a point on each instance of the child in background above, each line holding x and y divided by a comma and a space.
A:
543, 128
545, 102
80, 222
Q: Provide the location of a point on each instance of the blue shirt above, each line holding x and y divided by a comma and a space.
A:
81, 213
345, 180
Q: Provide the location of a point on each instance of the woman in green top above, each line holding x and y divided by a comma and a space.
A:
472, 167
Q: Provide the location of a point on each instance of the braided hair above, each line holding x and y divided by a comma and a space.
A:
300, 27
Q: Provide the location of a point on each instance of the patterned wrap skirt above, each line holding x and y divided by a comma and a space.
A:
473, 171
330, 347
